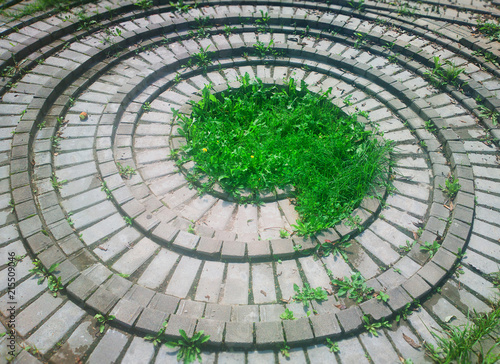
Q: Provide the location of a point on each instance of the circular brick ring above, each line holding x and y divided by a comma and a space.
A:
146, 248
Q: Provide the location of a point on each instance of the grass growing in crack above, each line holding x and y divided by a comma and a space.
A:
202, 59
444, 73
228, 30
407, 248
146, 107
287, 315
353, 287
11, 71
357, 5
360, 40
54, 284
308, 294
262, 50
430, 248
160, 337
284, 234
261, 137
332, 346
466, 343
125, 171
408, 310
106, 190
382, 296
181, 7
284, 349
487, 113
451, 187
102, 320
372, 327
56, 184
144, 4
189, 347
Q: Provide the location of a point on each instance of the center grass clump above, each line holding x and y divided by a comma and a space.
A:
260, 137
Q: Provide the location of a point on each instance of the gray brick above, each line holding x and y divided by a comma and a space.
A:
126, 312
77, 345
325, 325
183, 277
151, 321
350, 319
234, 250
237, 282
239, 334
186, 241
263, 283
165, 232
164, 303
139, 351
268, 334
377, 309
210, 282
258, 250
298, 331
191, 308
35, 313
26, 291
218, 312
416, 287
135, 257
247, 313
56, 327
109, 348
209, 247
282, 248
176, 323
102, 300
213, 328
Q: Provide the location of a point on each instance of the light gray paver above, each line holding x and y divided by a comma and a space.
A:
209, 284
270, 221
378, 247
315, 273
352, 351
136, 256
109, 348
379, 348
263, 283
56, 327
35, 313
236, 285
158, 269
77, 345
183, 277
245, 220
288, 275
102, 229
139, 351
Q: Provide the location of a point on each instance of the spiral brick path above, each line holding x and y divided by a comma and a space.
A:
148, 248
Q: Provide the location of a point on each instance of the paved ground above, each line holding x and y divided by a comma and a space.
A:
149, 249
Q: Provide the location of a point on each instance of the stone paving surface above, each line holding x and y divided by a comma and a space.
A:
148, 248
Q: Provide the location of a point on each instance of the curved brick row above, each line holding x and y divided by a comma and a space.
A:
346, 311
53, 235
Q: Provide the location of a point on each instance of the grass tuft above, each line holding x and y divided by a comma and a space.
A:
260, 137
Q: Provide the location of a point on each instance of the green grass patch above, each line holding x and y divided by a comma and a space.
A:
260, 137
